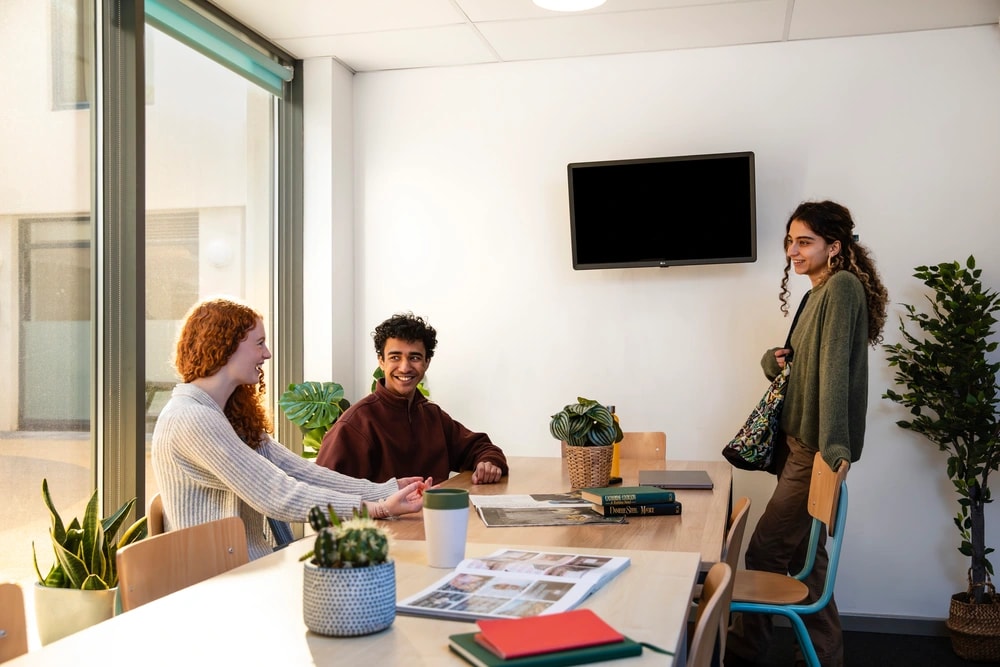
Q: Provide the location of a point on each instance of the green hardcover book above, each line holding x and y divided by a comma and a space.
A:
639, 509
466, 646
627, 495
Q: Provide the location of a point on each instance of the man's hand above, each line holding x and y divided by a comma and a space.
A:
486, 473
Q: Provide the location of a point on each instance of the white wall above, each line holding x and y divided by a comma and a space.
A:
461, 216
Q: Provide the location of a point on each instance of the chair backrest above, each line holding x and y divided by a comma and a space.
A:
731, 555
824, 492
828, 507
643, 445
161, 564
734, 535
154, 517
13, 627
716, 594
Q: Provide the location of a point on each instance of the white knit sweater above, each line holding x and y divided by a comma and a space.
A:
205, 472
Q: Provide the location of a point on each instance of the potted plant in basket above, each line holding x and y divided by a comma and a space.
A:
81, 586
590, 431
951, 392
349, 583
313, 407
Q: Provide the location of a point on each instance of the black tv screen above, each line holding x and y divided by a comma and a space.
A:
665, 211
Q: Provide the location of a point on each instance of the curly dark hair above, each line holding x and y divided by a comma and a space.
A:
211, 333
408, 327
833, 222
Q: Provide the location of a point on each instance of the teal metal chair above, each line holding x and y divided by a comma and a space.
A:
756, 592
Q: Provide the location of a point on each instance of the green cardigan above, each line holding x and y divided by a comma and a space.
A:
827, 394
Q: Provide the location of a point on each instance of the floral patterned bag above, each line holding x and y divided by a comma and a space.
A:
760, 438
754, 446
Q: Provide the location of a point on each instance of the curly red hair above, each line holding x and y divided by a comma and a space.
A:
211, 333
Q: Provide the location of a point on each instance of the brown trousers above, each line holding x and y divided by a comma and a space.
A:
779, 544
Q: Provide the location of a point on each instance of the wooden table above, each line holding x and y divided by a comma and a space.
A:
253, 616
701, 527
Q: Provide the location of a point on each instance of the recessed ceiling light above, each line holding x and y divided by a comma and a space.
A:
568, 5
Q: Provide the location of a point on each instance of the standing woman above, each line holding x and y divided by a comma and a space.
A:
824, 410
212, 453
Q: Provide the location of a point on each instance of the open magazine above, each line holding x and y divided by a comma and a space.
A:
538, 509
512, 583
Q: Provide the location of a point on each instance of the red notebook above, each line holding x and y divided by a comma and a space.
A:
547, 633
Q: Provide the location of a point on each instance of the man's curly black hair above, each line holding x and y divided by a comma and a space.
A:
408, 327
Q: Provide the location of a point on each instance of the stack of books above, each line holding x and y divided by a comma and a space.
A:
567, 638
631, 500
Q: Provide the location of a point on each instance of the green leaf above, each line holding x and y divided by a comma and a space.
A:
950, 386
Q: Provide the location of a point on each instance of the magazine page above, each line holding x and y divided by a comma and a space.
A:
538, 509
512, 583
530, 501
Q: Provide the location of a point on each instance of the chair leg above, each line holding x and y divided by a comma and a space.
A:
805, 642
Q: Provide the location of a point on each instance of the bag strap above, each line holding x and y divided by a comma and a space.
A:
798, 311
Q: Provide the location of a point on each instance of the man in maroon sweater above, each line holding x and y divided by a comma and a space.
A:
395, 431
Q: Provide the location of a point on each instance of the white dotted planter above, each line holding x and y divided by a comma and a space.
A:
347, 602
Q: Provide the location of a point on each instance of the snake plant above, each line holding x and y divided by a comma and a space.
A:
85, 552
586, 423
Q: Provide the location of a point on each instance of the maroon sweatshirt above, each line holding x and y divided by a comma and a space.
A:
385, 435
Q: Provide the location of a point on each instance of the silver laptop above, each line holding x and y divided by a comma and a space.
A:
676, 479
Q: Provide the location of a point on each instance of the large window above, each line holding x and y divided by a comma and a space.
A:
46, 271
208, 214
103, 206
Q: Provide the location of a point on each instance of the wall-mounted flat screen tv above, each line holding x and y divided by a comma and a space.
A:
665, 211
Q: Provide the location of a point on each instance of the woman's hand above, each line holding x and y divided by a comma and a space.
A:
780, 355
404, 482
408, 499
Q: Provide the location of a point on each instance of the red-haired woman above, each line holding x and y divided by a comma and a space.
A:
213, 455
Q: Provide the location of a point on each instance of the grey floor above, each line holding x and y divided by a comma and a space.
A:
872, 649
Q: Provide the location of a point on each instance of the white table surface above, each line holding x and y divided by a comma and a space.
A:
253, 616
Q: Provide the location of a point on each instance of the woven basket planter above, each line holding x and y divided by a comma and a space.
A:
975, 628
589, 466
348, 602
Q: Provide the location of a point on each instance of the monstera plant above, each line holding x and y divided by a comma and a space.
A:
313, 407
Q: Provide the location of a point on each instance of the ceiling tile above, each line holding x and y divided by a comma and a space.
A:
653, 30
840, 18
398, 49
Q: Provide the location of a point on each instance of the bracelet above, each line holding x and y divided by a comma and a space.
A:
386, 514
378, 509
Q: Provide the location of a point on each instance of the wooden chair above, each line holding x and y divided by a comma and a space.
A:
639, 445
712, 606
756, 592
730, 555
13, 628
643, 445
154, 517
162, 564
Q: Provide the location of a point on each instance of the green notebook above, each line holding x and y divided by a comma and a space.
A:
466, 646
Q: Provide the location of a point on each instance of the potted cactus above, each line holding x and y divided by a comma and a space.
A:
349, 583
589, 431
81, 586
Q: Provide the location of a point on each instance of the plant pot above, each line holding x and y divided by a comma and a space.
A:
589, 466
975, 628
348, 602
62, 611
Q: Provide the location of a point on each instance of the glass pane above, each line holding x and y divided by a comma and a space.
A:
45, 273
208, 197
